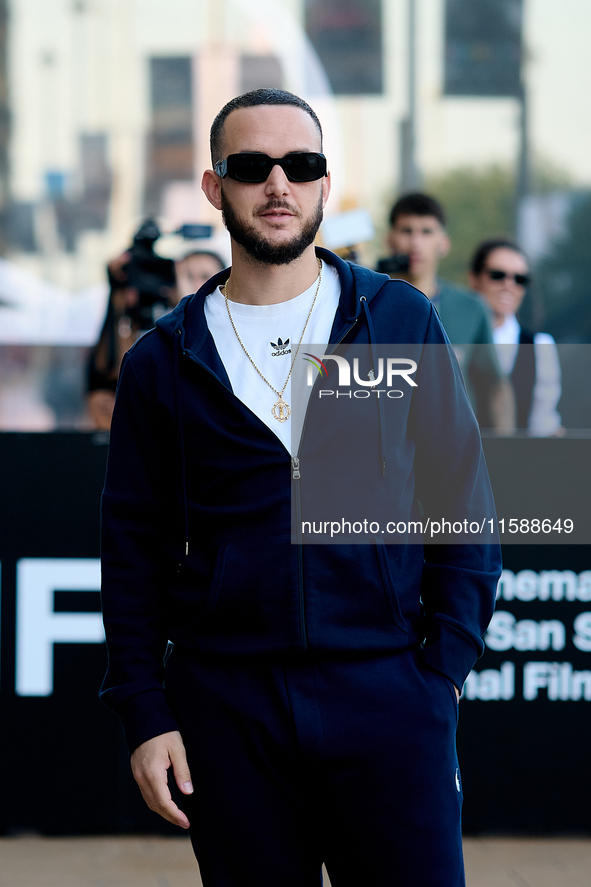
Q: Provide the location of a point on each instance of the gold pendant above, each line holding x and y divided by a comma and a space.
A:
281, 410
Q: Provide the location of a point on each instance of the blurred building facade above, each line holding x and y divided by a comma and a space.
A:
111, 103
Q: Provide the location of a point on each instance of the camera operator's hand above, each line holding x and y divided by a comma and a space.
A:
115, 267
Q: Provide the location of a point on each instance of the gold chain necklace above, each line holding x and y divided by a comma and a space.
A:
281, 410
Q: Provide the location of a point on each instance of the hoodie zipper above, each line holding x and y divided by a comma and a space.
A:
295, 462
296, 475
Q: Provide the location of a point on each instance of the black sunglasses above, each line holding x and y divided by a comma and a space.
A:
255, 168
520, 279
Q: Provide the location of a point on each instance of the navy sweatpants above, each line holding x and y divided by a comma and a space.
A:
348, 761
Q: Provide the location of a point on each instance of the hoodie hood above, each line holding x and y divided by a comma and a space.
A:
356, 282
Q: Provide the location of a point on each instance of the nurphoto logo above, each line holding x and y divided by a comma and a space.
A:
390, 370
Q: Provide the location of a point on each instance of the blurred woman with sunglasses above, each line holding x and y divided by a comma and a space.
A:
499, 271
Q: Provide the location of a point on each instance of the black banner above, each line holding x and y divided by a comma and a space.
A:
524, 716
66, 767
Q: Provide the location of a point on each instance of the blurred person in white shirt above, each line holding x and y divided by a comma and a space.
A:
500, 272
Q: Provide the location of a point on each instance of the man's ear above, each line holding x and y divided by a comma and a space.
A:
325, 189
211, 185
444, 245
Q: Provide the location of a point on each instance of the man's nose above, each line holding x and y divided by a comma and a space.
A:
277, 183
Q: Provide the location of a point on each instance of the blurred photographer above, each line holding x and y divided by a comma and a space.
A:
115, 338
143, 287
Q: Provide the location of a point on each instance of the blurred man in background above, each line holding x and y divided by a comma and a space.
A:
417, 231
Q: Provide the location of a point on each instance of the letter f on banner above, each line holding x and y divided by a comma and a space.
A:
39, 627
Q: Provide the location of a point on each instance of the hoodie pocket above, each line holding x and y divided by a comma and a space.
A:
253, 590
196, 587
390, 590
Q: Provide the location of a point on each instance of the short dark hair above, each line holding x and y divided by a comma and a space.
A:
266, 96
484, 249
417, 204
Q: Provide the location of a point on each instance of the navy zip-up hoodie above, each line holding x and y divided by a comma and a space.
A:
197, 544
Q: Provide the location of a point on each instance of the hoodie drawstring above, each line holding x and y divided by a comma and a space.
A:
381, 413
181, 435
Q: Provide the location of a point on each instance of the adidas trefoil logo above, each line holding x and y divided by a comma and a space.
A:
280, 347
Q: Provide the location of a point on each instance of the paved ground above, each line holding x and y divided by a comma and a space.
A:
169, 862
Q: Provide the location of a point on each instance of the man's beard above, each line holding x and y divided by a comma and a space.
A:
257, 247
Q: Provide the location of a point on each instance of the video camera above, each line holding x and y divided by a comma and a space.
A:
152, 275
394, 265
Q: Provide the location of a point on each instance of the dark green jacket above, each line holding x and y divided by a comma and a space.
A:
466, 322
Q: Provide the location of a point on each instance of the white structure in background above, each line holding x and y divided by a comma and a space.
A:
38, 319
39, 323
542, 220
35, 312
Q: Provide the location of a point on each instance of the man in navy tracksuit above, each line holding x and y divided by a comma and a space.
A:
309, 705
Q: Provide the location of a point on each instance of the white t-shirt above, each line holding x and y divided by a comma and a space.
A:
271, 334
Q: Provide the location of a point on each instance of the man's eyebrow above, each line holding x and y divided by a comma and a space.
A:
287, 154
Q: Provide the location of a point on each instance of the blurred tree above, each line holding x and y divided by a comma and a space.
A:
564, 276
480, 203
